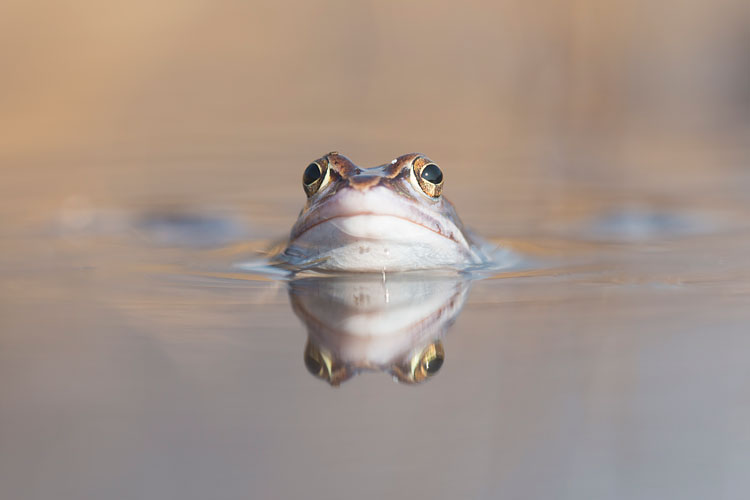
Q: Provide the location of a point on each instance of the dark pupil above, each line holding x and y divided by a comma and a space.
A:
432, 173
312, 365
434, 365
312, 173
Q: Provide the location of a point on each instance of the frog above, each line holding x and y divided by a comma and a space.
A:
389, 218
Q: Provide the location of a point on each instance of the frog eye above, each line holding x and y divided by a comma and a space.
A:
315, 362
312, 173
321, 365
313, 178
430, 361
422, 365
429, 177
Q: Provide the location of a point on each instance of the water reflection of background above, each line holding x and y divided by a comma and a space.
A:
125, 376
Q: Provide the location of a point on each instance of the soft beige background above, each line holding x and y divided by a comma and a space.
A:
199, 101
130, 369
194, 77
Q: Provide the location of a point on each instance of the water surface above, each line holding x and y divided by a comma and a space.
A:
147, 150
139, 361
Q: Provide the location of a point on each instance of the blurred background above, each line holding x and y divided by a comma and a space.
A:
146, 147
163, 96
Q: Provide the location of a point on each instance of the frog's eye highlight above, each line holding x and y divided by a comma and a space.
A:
432, 174
321, 365
429, 362
313, 178
315, 362
422, 365
429, 177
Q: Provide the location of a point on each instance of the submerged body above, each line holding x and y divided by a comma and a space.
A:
387, 218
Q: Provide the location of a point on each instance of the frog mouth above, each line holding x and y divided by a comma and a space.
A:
370, 225
376, 215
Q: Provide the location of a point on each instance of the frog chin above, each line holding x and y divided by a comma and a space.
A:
369, 242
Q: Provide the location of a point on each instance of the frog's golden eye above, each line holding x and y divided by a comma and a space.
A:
429, 362
429, 177
315, 362
320, 364
313, 178
422, 365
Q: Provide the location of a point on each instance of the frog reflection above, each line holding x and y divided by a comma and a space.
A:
363, 322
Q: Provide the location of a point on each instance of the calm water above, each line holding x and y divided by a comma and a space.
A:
148, 149
138, 360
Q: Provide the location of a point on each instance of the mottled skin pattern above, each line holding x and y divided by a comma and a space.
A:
344, 174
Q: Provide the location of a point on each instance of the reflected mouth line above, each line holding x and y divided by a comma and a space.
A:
346, 216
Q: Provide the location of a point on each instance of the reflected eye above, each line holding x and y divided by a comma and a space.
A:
421, 365
430, 361
313, 178
321, 365
429, 177
432, 365
314, 362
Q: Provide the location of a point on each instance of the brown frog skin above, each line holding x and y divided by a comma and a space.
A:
392, 217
